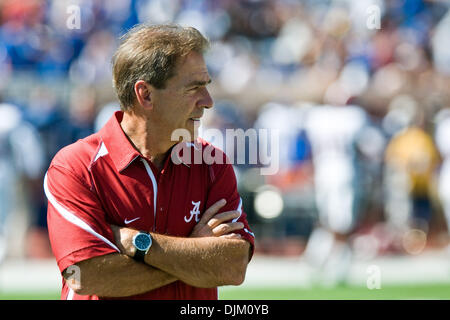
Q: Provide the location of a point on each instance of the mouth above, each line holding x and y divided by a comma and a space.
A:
195, 118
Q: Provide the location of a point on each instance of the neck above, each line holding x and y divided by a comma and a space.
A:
146, 137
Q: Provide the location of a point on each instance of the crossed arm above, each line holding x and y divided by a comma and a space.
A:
211, 256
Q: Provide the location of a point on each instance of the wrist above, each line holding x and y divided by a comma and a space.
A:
130, 249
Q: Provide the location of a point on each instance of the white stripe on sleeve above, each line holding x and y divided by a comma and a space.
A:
70, 294
72, 218
239, 208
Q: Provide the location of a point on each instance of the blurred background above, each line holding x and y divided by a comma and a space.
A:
357, 91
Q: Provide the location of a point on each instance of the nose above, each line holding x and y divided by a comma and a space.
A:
206, 101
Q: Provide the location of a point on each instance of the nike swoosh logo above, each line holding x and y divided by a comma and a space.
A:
130, 221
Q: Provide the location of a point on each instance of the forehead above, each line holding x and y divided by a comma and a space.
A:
192, 67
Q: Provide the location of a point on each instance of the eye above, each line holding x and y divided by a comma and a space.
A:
192, 89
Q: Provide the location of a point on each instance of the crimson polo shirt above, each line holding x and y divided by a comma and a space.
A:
102, 180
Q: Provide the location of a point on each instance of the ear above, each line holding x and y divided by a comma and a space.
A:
143, 92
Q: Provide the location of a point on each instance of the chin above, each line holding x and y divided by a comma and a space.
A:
187, 133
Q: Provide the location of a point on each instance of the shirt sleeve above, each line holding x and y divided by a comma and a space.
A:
77, 225
224, 186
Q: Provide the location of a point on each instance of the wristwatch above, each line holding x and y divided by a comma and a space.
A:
142, 241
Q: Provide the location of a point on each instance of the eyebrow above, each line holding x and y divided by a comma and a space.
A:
198, 83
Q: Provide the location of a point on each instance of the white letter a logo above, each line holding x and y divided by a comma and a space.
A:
194, 212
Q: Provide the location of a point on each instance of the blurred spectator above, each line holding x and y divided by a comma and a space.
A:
57, 128
411, 164
21, 163
333, 132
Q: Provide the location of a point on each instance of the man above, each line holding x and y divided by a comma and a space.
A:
333, 132
125, 220
411, 162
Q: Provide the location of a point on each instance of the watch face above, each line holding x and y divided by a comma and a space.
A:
142, 241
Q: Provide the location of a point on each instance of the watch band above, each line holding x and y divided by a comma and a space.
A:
139, 255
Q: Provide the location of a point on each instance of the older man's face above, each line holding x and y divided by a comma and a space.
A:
181, 104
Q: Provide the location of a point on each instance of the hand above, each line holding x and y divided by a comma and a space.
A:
124, 239
214, 225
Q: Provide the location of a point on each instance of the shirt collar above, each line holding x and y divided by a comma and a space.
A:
119, 147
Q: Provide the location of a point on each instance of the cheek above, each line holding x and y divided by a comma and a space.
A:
187, 104
169, 105
176, 107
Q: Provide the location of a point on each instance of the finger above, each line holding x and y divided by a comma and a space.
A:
211, 211
222, 217
227, 228
231, 236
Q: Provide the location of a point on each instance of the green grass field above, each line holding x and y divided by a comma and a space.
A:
403, 292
